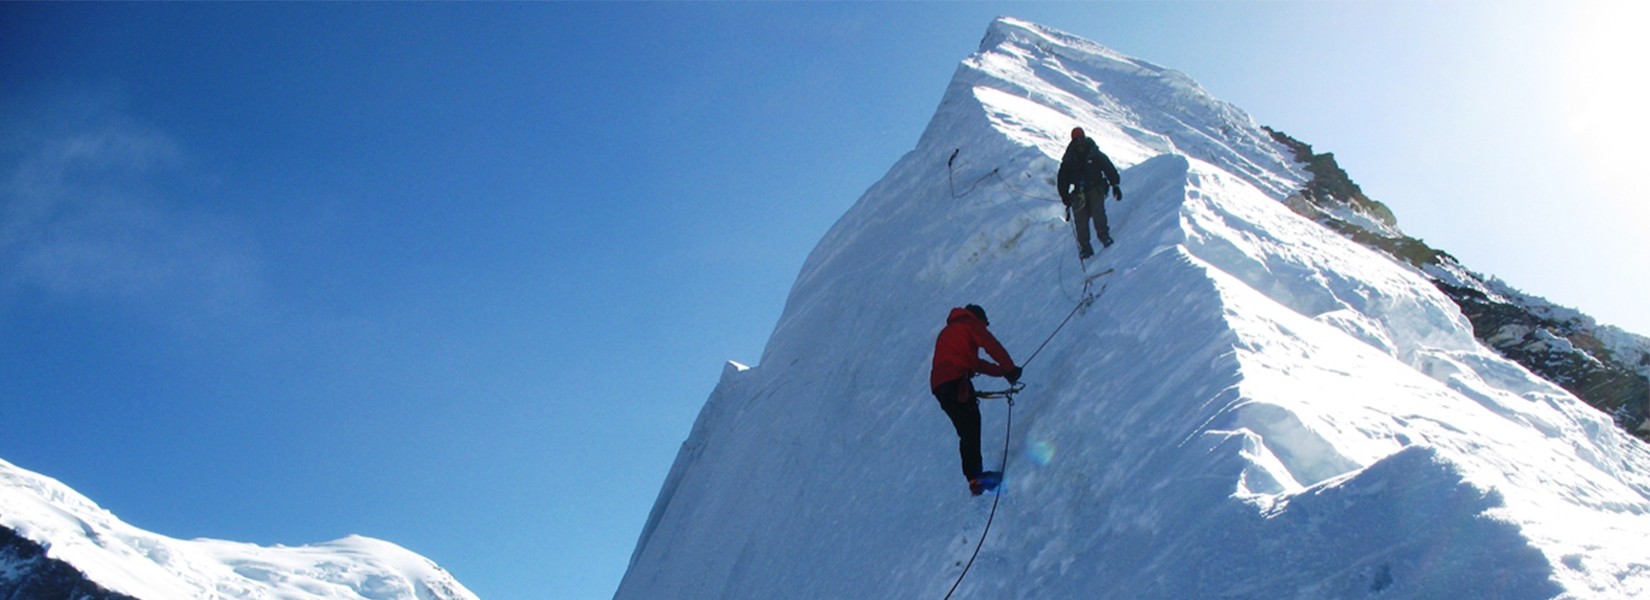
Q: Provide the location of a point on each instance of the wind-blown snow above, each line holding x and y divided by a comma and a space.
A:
144, 565
1253, 406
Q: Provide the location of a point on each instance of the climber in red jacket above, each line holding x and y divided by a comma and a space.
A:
956, 361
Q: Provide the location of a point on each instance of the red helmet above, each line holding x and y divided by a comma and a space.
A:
1076, 133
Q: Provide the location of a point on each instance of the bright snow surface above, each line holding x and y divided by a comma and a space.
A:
144, 565
1252, 407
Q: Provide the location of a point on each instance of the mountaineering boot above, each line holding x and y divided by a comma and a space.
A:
1105, 240
986, 482
1084, 254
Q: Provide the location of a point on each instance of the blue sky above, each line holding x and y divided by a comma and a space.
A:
459, 276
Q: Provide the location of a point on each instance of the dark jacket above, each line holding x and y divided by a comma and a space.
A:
1086, 166
957, 350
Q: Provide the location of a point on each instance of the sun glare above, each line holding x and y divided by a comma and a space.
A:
1608, 73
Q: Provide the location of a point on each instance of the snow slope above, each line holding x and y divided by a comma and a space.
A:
130, 561
1252, 407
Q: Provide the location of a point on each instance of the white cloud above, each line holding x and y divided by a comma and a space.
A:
93, 212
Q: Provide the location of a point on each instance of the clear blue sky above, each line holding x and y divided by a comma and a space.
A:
459, 276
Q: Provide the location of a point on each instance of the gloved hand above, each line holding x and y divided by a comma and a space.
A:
1117, 192
1013, 375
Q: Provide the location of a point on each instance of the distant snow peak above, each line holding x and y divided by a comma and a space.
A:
64, 545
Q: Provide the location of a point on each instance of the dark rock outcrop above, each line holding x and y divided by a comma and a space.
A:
1561, 345
26, 573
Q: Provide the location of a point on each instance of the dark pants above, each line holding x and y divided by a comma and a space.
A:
956, 398
1090, 205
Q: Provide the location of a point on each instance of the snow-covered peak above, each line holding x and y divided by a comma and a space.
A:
1033, 84
1252, 406
126, 560
1012, 31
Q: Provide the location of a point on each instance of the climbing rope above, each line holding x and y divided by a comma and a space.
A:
1081, 304
1008, 430
951, 176
1008, 394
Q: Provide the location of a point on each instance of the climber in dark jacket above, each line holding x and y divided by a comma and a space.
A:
956, 361
1085, 173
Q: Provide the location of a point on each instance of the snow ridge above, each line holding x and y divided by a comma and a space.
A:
136, 563
1253, 406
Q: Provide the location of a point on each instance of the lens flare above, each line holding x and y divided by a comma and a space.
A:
1041, 453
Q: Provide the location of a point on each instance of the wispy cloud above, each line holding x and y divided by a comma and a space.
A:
105, 209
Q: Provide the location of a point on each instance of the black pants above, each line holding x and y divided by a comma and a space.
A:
957, 399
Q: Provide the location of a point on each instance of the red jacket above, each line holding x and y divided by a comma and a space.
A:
957, 350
